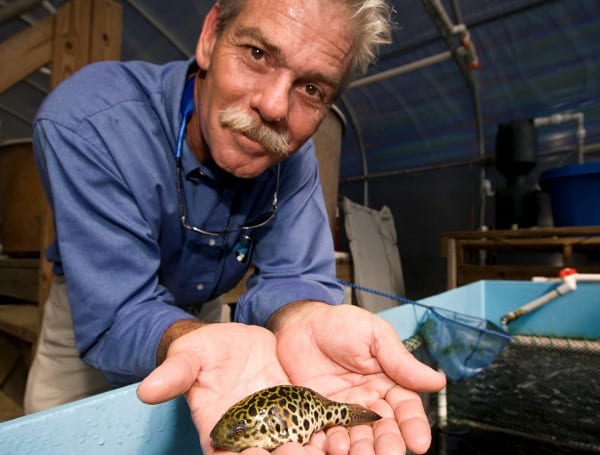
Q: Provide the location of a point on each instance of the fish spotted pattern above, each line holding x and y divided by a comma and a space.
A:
272, 417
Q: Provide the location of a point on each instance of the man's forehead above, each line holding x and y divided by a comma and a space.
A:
274, 24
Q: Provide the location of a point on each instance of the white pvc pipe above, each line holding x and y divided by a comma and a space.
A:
557, 119
402, 69
569, 284
564, 288
579, 277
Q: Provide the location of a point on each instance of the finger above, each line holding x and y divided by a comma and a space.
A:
386, 432
338, 441
411, 418
172, 378
361, 440
252, 451
319, 441
388, 439
399, 364
293, 448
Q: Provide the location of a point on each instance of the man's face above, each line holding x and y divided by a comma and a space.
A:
280, 62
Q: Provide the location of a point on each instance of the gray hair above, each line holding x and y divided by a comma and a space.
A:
371, 21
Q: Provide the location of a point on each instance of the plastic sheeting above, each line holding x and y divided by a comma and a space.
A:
538, 58
375, 258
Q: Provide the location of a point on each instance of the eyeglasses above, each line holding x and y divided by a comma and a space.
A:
254, 223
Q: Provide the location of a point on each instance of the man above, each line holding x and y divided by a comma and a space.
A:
166, 182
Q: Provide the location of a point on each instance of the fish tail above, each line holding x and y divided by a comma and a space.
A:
358, 414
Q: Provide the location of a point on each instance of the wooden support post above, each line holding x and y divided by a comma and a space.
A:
105, 33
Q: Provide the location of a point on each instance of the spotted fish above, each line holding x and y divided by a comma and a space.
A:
280, 414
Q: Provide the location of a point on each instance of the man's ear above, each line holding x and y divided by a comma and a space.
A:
207, 39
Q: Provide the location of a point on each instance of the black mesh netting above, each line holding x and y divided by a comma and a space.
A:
547, 388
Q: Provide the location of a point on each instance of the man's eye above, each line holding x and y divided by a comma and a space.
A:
311, 90
257, 53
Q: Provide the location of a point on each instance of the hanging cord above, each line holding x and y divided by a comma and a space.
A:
382, 294
415, 341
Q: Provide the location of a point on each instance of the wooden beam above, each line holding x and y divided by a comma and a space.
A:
105, 39
25, 53
19, 278
70, 47
16, 8
21, 321
86, 31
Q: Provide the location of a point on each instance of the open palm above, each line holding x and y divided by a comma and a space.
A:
216, 366
355, 356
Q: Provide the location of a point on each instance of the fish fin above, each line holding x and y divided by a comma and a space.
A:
358, 414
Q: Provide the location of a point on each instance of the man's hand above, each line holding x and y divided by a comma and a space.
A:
215, 366
343, 352
349, 354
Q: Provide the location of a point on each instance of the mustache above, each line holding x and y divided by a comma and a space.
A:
239, 121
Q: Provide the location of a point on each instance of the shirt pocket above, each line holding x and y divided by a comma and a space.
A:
199, 267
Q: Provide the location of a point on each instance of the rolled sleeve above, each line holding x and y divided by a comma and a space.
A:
267, 296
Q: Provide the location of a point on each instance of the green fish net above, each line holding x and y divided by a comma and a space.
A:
461, 344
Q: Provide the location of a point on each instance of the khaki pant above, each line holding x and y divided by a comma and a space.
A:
57, 374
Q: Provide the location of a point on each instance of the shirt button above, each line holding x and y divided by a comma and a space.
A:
199, 286
212, 242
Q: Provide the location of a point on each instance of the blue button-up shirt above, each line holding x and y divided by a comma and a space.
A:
104, 142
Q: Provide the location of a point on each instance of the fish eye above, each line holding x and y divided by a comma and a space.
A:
238, 431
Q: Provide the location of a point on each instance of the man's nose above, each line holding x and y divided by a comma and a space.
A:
272, 99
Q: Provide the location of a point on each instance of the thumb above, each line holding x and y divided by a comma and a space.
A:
170, 379
401, 366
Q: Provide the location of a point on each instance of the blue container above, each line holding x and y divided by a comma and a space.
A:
574, 194
116, 422
573, 315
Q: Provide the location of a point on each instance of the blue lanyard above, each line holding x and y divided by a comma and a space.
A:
186, 109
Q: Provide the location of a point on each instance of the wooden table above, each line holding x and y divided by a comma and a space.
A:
519, 254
